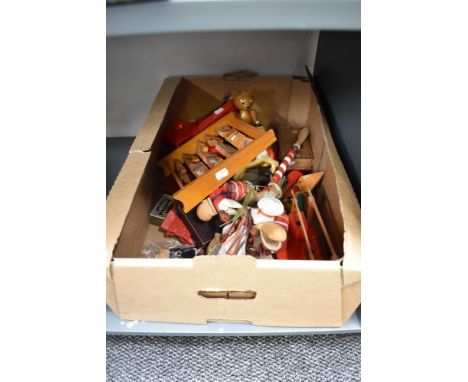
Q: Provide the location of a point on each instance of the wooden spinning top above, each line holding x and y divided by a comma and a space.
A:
309, 181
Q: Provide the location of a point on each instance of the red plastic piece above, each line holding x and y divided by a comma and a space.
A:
180, 125
182, 131
174, 226
293, 176
271, 152
296, 248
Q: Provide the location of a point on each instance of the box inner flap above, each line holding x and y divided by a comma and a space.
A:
156, 116
121, 197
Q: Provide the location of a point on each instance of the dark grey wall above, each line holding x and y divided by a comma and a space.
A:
337, 73
116, 153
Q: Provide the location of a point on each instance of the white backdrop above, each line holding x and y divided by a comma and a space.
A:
137, 65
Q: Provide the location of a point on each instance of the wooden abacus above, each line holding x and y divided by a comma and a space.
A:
198, 189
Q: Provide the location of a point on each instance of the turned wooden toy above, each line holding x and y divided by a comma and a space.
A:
272, 235
206, 210
309, 181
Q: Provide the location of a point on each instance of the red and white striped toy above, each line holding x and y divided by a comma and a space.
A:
290, 155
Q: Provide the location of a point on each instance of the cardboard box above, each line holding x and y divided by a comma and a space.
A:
234, 288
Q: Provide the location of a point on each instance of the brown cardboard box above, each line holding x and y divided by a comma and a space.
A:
280, 292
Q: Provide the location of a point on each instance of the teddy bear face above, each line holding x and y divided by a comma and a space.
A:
243, 100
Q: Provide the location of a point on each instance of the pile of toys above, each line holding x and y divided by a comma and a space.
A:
232, 197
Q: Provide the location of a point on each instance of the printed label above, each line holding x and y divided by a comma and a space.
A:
221, 174
219, 111
262, 154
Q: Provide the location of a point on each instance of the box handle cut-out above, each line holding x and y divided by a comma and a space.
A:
228, 294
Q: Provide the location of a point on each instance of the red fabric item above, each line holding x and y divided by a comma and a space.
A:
232, 189
174, 226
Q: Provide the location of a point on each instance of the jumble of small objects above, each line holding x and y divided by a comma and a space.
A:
260, 211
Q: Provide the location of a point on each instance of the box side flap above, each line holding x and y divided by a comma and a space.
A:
349, 206
299, 103
214, 288
120, 199
155, 117
351, 298
111, 296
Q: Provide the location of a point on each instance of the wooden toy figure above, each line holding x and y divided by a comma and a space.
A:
244, 101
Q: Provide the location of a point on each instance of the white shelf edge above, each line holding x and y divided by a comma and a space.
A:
116, 326
241, 15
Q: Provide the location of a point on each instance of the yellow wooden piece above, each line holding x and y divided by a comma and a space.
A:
197, 190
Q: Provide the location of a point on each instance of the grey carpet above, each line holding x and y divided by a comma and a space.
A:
294, 358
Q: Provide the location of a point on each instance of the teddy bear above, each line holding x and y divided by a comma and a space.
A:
244, 102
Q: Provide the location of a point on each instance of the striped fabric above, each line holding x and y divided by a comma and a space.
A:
232, 189
283, 221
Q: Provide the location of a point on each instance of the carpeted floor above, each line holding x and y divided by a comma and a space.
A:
293, 358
